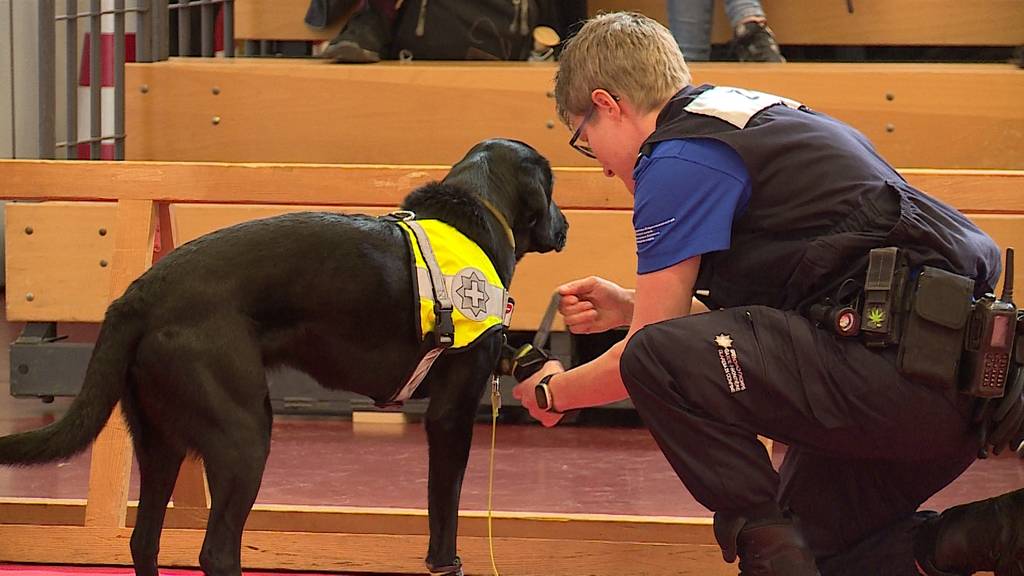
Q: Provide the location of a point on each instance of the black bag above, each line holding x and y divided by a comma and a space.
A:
932, 343
465, 30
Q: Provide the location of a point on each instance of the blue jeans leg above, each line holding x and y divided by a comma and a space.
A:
690, 22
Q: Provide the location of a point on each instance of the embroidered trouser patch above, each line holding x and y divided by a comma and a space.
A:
730, 363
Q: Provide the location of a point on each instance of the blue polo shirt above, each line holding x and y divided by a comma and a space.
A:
688, 192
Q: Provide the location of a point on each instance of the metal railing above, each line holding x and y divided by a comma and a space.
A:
158, 35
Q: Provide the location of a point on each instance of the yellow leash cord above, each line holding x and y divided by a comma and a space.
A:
495, 405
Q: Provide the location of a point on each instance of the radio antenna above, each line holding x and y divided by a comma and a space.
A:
1008, 278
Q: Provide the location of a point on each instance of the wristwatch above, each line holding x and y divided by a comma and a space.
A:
542, 391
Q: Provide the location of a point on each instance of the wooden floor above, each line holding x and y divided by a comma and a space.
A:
325, 461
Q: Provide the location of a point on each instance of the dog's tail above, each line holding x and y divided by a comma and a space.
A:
105, 384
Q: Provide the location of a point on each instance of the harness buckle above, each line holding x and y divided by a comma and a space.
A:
445, 327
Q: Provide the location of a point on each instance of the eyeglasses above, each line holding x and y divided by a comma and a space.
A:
583, 148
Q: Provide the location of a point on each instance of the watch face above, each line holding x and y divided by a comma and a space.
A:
542, 396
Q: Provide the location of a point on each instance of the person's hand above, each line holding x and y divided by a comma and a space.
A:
1006, 423
593, 305
525, 394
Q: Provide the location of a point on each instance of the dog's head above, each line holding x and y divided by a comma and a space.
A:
517, 181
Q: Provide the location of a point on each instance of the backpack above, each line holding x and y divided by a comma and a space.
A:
465, 30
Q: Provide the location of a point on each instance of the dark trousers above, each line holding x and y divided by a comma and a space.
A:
866, 447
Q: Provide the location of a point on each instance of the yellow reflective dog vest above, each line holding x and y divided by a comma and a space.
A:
451, 268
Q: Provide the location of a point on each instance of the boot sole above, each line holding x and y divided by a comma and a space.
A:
350, 53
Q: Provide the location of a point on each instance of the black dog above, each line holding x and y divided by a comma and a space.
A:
187, 348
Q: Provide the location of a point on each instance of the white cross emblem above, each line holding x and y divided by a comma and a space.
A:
472, 291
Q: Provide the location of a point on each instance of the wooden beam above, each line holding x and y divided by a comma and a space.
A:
278, 20
191, 491
332, 552
111, 452
597, 207
384, 186
433, 112
873, 22
396, 521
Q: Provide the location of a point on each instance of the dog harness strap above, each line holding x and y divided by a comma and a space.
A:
417, 376
445, 329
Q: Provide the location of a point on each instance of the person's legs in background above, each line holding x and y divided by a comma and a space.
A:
690, 22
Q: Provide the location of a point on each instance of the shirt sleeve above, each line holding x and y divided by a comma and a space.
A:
685, 204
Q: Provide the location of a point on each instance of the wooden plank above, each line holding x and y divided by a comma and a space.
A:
111, 453
370, 520
1008, 232
312, 184
278, 20
384, 186
907, 22
68, 240
384, 113
330, 552
600, 240
190, 221
42, 511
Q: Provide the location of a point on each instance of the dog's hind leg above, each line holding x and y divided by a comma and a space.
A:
235, 460
158, 470
455, 394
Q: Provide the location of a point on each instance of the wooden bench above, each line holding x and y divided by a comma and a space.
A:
62, 255
193, 109
878, 22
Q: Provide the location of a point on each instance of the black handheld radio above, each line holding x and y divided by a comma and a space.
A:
989, 342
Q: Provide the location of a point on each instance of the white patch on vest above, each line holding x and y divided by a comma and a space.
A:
735, 105
469, 293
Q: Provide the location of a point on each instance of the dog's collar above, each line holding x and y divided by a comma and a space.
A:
501, 220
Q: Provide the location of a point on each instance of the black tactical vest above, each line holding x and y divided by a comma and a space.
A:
821, 198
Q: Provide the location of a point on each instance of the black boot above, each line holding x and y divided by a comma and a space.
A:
363, 39
754, 42
766, 544
980, 536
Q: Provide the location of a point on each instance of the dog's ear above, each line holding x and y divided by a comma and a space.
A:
540, 226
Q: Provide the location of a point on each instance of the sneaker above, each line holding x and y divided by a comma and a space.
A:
363, 39
754, 42
980, 536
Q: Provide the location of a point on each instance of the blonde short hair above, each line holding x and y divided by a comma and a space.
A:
625, 53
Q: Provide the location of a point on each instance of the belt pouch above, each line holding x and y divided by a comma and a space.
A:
933, 335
